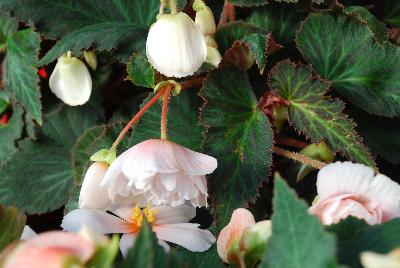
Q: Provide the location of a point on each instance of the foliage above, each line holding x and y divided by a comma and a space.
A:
261, 105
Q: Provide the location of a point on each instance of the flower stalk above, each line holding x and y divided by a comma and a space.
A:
137, 117
299, 157
164, 113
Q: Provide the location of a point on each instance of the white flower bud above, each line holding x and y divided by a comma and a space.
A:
71, 81
213, 56
175, 45
92, 195
210, 41
204, 18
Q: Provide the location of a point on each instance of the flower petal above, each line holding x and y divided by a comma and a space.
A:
92, 195
28, 233
180, 214
187, 235
343, 178
127, 241
386, 193
99, 221
241, 219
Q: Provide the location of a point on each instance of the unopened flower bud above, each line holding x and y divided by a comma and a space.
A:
204, 18
92, 195
254, 241
376, 260
175, 45
210, 41
71, 81
90, 58
213, 56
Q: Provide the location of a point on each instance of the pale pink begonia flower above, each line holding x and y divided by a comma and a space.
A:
92, 195
170, 224
231, 233
159, 172
348, 189
54, 249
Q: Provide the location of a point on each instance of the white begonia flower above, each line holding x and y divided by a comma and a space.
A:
159, 172
28, 233
347, 189
71, 81
169, 224
376, 260
175, 45
92, 195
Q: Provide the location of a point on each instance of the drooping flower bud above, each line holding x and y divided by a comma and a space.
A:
254, 240
90, 58
204, 18
229, 237
213, 56
92, 195
71, 81
175, 45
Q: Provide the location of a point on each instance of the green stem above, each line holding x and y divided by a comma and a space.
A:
172, 6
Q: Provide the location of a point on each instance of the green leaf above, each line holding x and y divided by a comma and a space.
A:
105, 36
8, 26
363, 14
9, 134
55, 18
19, 75
243, 53
228, 33
389, 10
281, 19
12, 224
380, 238
239, 136
4, 101
298, 238
206, 259
380, 134
318, 117
39, 176
248, 2
348, 228
105, 255
146, 253
360, 68
140, 71
183, 126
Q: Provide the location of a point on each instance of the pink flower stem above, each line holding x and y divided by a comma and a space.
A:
299, 157
137, 116
291, 142
164, 113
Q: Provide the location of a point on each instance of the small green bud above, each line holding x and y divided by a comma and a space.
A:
104, 155
90, 58
318, 151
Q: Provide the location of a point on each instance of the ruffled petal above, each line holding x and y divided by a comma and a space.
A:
127, 241
344, 178
386, 193
187, 235
28, 233
99, 221
169, 215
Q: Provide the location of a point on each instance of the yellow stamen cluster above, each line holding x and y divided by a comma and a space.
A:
138, 213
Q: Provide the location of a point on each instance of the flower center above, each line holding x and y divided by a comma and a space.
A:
138, 214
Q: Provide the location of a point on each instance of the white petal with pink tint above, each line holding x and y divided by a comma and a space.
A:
187, 235
387, 194
160, 172
180, 214
92, 195
343, 177
99, 221
126, 242
241, 219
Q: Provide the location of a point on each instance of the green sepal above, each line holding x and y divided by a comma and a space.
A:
318, 151
177, 87
104, 155
105, 254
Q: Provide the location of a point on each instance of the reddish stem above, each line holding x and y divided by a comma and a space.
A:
225, 14
299, 157
291, 142
136, 117
164, 113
